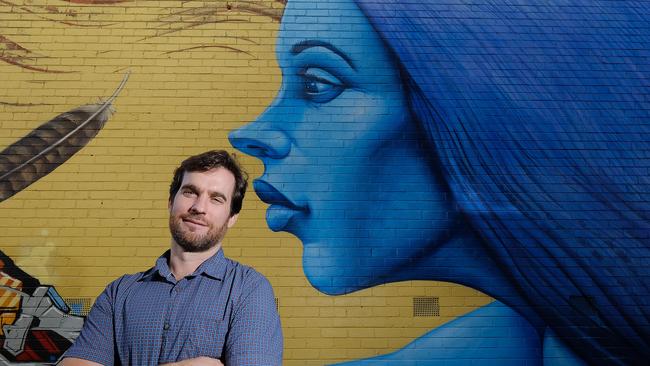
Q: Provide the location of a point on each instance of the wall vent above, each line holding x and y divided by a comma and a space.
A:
426, 306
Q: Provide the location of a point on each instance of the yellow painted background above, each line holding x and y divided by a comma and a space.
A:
198, 70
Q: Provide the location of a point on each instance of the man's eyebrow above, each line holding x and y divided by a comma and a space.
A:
191, 187
303, 45
218, 194
195, 189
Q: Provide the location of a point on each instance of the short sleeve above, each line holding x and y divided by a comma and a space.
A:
255, 334
96, 342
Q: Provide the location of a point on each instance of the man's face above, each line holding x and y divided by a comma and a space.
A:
199, 214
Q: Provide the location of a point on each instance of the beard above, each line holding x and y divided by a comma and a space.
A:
193, 242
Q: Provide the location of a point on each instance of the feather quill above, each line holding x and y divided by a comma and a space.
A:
51, 144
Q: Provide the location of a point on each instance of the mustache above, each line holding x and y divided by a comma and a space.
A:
194, 217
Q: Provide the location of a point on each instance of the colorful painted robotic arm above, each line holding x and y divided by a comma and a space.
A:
36, 328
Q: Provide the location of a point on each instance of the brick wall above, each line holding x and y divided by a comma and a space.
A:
198, 69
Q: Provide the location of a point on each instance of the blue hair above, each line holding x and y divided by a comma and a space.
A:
539, 114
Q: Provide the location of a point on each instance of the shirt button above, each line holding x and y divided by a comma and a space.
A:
166, 326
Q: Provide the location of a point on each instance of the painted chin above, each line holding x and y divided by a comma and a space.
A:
330, 271
320, 280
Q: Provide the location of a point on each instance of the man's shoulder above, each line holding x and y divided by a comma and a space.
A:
126, 281
250, 289
245, 277
235, 268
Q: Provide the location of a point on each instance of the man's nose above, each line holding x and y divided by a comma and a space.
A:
261, 139
199, 205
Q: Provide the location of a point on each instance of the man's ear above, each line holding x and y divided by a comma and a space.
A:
232, 220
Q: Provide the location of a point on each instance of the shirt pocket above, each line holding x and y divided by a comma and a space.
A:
205, 338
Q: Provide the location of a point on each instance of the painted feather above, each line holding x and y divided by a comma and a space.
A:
51, 144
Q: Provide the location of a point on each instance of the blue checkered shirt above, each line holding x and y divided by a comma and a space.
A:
223, 310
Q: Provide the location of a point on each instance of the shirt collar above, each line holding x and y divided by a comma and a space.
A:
213, 267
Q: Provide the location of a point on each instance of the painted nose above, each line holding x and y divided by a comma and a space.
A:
259, 140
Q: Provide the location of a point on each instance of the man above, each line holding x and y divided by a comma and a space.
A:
194, 307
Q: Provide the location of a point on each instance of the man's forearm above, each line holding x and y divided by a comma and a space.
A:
71, 361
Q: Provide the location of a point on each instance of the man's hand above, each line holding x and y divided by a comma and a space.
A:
199, 361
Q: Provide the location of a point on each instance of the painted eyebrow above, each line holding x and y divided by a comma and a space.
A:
303, 45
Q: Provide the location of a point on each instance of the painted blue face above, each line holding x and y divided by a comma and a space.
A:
347, 169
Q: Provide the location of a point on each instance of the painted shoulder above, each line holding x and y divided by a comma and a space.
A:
493, 334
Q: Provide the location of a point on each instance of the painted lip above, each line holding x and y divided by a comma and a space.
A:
282, 209
272, 196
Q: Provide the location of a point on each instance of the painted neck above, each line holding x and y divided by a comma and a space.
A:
183, 263
465, 260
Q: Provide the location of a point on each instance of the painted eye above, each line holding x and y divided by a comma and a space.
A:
319, 85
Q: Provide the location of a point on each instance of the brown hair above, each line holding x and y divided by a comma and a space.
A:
211, 160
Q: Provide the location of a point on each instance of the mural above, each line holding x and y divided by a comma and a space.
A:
36, 324
501, 146
498, 145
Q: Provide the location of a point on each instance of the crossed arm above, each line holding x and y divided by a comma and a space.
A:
254, 333
199, 361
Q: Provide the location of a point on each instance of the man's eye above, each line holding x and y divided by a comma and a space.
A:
319, 85
188, 193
